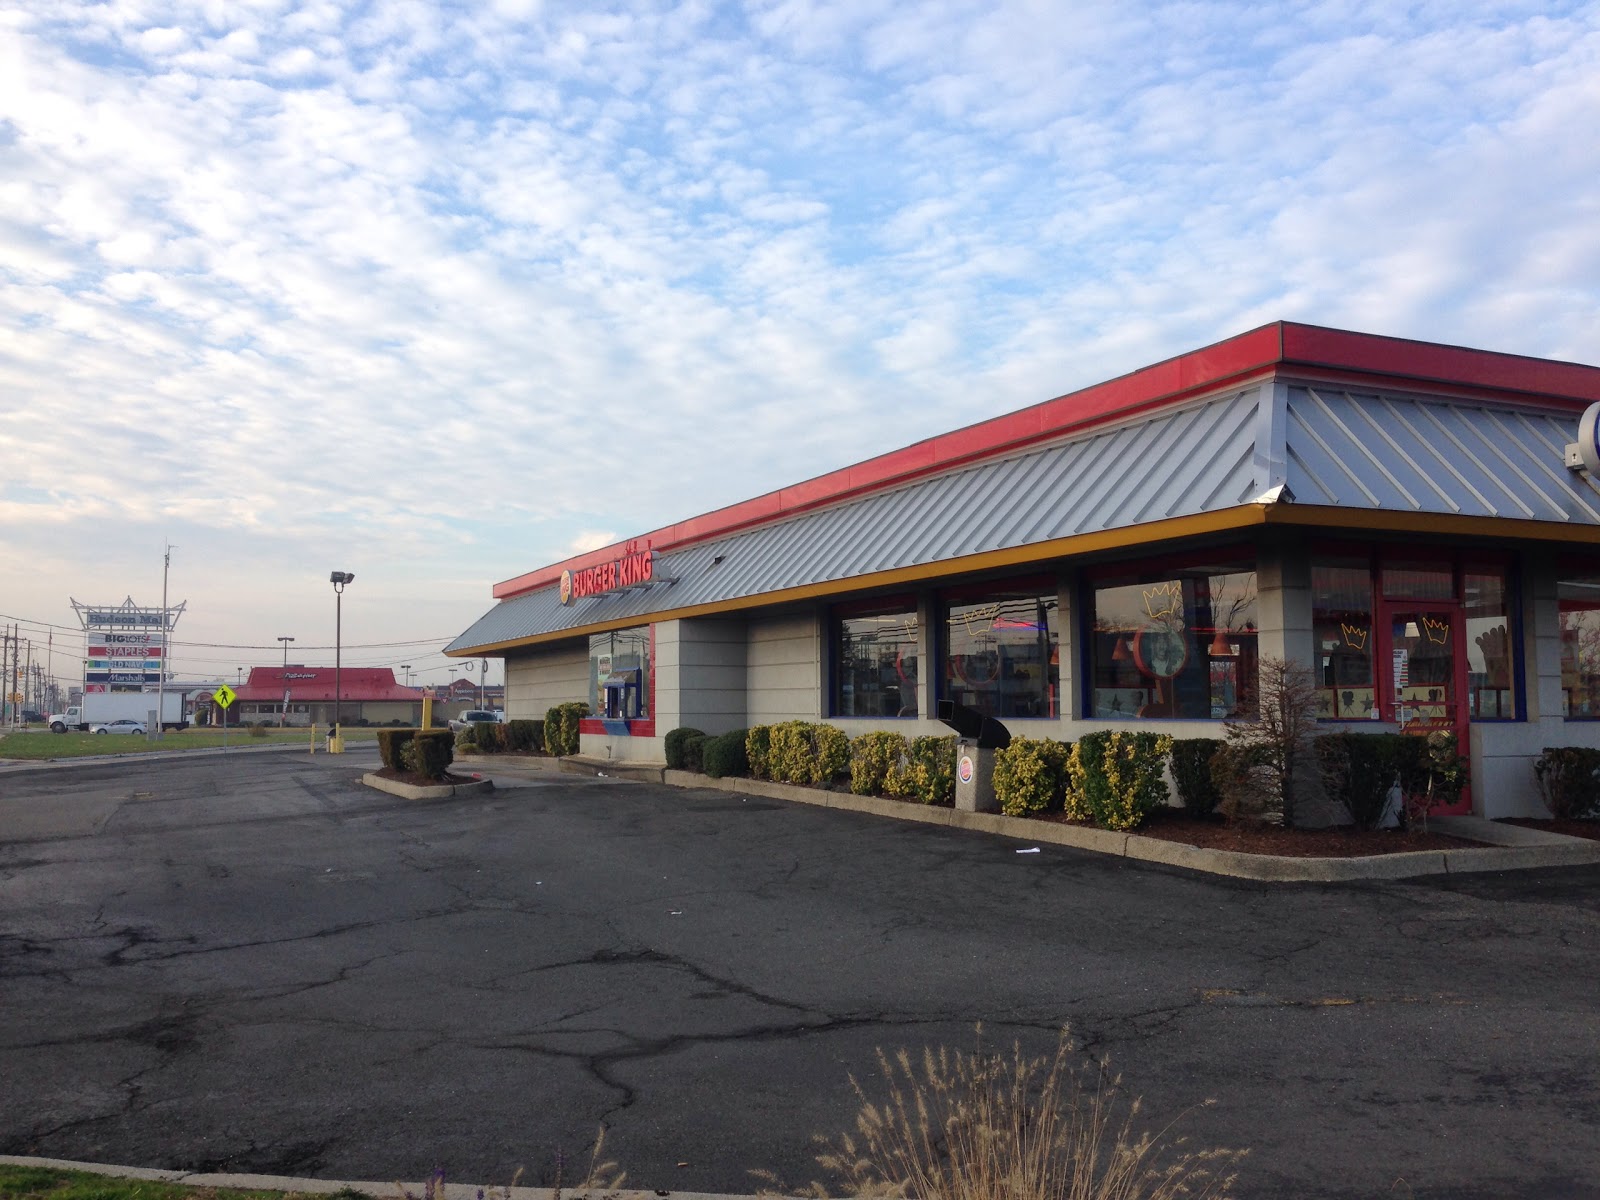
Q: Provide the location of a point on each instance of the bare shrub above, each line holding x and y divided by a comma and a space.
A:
997, 1127
1261, 766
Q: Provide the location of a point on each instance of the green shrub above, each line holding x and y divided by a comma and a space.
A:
675, 740
1115, 779
489, 737
561, 727
927, 773
466, 740
1191, 772
806, 753
694, 749
1030, 776
832, 747
872, 757
724, 755
391, 747
793, 757
758, 751
523, 736
1360, 770
1569, 780
429, 752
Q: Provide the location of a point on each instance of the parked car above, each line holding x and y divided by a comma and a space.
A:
123, 726
32, 717
475, 716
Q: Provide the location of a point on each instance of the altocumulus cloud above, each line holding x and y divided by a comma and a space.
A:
471, 283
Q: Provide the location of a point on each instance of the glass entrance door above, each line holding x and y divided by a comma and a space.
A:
1425, 682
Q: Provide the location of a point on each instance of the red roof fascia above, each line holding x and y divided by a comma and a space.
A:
1395, 358
1254, 354
359, 684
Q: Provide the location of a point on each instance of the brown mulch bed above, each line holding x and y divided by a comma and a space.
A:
1254, 838
1571, 826
417, 780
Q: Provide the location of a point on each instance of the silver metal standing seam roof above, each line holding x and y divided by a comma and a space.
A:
1334, 448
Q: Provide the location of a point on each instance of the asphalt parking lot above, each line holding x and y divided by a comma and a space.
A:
252, 963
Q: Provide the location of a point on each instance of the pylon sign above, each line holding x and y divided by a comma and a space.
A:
125, 646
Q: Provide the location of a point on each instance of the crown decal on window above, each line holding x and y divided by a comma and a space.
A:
1435, 630
1354, 636
1163, 600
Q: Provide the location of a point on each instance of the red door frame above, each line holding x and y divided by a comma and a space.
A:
1388, 701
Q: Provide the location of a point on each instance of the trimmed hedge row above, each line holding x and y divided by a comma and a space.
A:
515, 737
1116, 779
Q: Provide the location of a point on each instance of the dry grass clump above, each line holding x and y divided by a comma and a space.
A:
602, 1178
996, 1127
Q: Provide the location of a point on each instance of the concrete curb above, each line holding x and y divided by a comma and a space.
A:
412, 791
1507, 848
392, 1190
21, 766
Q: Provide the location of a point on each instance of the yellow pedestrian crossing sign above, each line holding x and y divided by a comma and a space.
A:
224, 695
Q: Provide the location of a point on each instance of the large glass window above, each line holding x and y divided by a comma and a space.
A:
875, 663
1578, 601
1341, 619
1176, 643
619, 664
1491, 650
1002, 653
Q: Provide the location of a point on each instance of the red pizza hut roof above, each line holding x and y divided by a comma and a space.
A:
306, 684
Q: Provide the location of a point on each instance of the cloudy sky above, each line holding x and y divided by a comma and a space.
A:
440, 294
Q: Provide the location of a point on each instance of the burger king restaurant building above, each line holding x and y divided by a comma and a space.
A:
1415, 523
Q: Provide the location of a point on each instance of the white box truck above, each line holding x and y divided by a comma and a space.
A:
100, 707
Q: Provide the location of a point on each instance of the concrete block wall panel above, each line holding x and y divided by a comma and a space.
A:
1069, 703
1503, 754
1283, 605
1541, 637
540, 678
715, 675
783, 674
667, 661
624, 749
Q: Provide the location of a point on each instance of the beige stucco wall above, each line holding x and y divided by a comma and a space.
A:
783, 668
701, 670
539, 679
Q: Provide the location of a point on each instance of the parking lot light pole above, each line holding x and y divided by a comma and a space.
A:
338, 579
286, 641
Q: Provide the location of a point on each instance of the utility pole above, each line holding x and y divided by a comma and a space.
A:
8, 713
166, 649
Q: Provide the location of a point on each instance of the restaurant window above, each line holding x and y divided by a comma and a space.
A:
875, 662
1407, 580
1491, 650
1002, 652
619, 673
1174, 643
1578, 602
1341, 620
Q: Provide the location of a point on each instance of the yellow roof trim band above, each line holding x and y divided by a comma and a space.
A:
1229, 519
1389, 521
1226, 520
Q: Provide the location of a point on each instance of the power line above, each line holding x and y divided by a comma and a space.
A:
31, 626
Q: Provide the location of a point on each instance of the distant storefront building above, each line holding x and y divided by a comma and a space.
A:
1403, 518
297, 695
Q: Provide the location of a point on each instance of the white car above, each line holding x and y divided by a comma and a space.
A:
125, 725
476, 716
